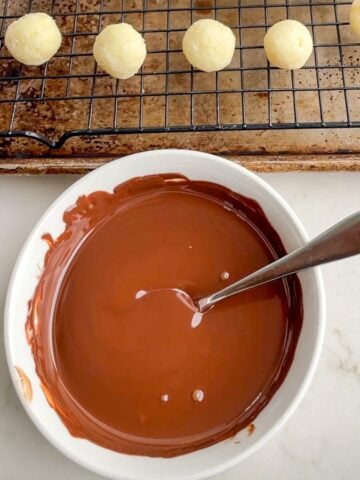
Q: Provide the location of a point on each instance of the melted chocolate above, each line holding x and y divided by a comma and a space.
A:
132, 372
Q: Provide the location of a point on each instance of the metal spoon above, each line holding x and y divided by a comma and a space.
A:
340, 241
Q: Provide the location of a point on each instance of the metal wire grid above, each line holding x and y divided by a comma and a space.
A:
70, 96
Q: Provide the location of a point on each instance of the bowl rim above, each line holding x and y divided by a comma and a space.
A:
307, 378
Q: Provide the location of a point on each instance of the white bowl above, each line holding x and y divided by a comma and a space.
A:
211, 460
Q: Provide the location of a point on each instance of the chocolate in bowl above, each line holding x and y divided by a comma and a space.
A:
204, 462
130, 372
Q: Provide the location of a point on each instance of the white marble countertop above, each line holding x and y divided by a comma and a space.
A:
320, 441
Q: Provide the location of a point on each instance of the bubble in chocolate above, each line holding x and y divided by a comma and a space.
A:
198, 395
164, 397
140, 293
225, 276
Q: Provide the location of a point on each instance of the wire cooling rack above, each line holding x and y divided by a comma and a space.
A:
71, 96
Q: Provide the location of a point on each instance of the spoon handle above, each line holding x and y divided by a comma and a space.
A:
340, 241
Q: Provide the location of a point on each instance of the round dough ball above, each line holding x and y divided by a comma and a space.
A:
288, 44
33, 39
355, 17
120, 50
209, 45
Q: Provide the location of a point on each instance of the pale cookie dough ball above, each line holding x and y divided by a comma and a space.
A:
209, 45
288, 44
120, 50
33, 39
355, 17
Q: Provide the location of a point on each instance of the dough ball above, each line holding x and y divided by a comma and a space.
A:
288, 44
209, 45
120, 50
33, 39
355, 17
